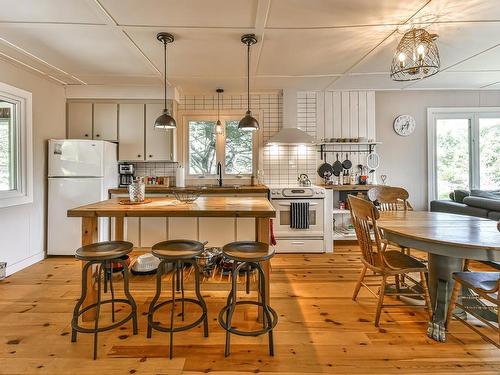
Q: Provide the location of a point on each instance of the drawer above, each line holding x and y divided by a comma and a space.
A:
299, 245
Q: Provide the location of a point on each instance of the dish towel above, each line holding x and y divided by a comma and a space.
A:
271, 230
299, 215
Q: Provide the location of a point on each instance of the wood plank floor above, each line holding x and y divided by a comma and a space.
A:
321, 330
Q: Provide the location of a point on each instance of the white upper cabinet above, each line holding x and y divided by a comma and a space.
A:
106, 121
131, 131
159, 142
79, 120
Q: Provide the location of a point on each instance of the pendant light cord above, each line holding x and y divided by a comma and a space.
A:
248, 76
165, 75
218, 106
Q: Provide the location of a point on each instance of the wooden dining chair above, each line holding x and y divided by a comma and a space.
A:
484, 285
384, 263
390, 198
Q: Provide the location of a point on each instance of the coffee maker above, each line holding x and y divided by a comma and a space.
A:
126, 171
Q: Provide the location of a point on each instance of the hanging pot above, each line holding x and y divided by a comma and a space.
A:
325, 169
337, 167
347, 164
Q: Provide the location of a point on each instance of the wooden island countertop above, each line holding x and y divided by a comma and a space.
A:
211, 206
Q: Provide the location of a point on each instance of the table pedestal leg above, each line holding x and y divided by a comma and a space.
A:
441, 284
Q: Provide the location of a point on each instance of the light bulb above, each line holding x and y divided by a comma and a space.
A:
218, 127
402, 57
421, 49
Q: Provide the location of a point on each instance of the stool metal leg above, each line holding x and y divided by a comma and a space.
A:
159, 273
172, 313
110, 276
200, 298
97, 309
267, 313
249, 267
126, 290
81, 300
181, 267
234, 292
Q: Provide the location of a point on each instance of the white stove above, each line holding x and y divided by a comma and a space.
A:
292, 240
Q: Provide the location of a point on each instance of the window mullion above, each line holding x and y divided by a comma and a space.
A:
474, 152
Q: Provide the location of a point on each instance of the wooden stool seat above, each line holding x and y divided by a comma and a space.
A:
104, 250
399, 261
177, 249
248, 251
486, 282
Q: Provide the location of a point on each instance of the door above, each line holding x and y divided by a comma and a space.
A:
64, 233
106, 121
80, 120
77, 158
131, 130
159, 142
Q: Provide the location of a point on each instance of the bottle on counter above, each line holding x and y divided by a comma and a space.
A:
347, 178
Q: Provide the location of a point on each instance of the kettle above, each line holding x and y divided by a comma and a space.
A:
304, 180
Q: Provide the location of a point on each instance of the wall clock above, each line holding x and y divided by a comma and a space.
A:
404, 125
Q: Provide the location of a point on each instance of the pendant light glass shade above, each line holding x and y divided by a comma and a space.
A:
416, 57
248, 122
218, 124
165, 121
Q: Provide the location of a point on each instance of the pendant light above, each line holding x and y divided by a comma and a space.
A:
165, 121
218, 124
248, 122
416, 57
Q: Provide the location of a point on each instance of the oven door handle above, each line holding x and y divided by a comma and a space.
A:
288, 204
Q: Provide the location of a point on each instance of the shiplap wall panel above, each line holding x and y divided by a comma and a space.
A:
349, 114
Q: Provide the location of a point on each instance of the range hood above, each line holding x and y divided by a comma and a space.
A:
290, 134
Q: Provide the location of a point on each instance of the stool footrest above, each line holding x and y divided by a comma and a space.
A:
76, 327
159, 327
254, 333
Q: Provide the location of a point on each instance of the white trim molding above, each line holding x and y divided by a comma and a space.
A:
23, 192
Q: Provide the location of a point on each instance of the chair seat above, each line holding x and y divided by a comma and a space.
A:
482, 281
104, 250
248, 251
399, 261
177, 249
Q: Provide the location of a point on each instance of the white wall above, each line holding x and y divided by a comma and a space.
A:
404, 159
22, 228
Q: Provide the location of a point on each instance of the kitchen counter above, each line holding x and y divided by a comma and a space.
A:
348, 187
229, 189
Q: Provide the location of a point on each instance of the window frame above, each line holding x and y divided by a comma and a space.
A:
23, 192
220, 148
473, 114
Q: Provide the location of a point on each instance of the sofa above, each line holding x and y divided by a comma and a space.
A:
479, 203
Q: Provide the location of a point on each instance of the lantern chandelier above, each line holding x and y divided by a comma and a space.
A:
416, 57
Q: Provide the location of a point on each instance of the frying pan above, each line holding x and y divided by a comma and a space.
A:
325, 168
347, 164
337, 167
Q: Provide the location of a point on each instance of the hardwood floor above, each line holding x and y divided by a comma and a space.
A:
321, 330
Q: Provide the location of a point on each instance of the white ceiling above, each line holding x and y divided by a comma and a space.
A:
306, 44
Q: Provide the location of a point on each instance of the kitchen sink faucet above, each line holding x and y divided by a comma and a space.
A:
219, 173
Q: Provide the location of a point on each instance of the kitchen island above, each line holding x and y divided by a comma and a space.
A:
211, 206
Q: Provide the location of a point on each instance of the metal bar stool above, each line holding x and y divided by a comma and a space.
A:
103, 254
246, 254
177, 252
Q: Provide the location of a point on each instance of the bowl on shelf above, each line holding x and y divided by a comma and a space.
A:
186, 196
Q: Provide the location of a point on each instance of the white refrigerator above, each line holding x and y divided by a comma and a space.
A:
79, 172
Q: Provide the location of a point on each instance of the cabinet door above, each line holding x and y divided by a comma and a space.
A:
180, 228
131, 230
106, 121
217, 231
153, 230
80, 120
159, 142
131, 132
245, 229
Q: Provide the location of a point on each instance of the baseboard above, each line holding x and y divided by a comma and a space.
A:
18, 266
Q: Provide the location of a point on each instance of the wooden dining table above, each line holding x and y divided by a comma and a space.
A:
209, 206
448, 239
